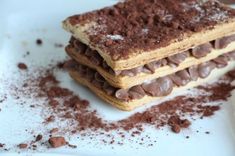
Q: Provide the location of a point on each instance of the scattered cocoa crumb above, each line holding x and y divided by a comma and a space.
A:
25, 85
23, 146
58, 92
34, 147
72, 146
53, 103
50, 119
175, 128
56, 142
38, 138
209, 110
2, 145
39, 41
187, 137
61, 65
26, 54
22, 66
112, 141
176, 123
207, 132
3, 98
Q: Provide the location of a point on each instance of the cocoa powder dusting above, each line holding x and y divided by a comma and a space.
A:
65, 105
133, 26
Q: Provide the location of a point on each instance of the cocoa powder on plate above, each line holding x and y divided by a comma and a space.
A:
66, 105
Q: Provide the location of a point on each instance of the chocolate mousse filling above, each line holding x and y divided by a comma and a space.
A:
173, 61
156, 88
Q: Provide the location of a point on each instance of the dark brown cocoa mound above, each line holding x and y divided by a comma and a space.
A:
22, 66
150, 24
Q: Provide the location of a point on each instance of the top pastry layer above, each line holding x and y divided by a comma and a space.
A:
133, 27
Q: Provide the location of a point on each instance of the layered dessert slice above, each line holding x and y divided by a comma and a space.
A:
137, 51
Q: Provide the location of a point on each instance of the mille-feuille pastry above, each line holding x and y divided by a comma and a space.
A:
138, 51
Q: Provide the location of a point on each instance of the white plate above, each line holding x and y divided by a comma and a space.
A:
21, 23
